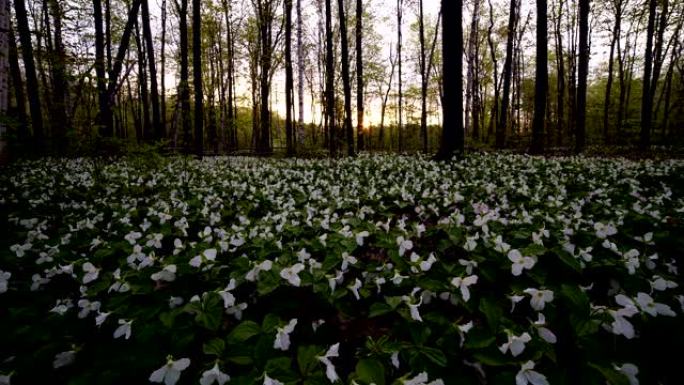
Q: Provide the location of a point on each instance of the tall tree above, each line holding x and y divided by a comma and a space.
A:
300, 71
4, 70
197, 76
162, 96
472, 94
359, 76
60, 85
400, 104
646, 98
541, 79
608, 100
330, 81
560, 75
346, 80
30, 71
453, 135
265, 14
289, 81
582, 73
104, 115
507, 73
424, 76
184, 81
151, 63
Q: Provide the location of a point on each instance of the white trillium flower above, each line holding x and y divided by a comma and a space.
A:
335, 280
355, 288
282, 340
101, 317
546, 334
422, 379
170, 373
648, 305
519, 262
133, 237
91, 273
413, 307
271, 381
330, 372
124, 329
500, 245
630, 371
4, 278
539, 298
463, 284
167, 274
348, 260
660, 284
214, 375
426, 265
603, 231
64, 359
528, 376
207, 256
469, 265
394, 358
404, 245
227, 296
514, 300
361, 236
252, 275
291, 274
5, 379
516, 344
463, 330
87, 306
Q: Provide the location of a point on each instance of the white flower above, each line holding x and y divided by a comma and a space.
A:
124, 329
170, 373
539, 298
519, 262
100, 319
395, 359
546, 334
4, 278
422, 379
647, 304
514, 300
174, 302
516, 344
500, 245
132, 237
303, 255
214, 375
5, 379
271, 381
469, 265
630, 371
404, 245
347, 260
360, 237
91, 273
263, 266
413, 307
471, 243
603, 231
64, 359
291, 274
463, 284
86, 307
168, 274
463, 330
335, 280
658, 283
620, 324
528, 376
427, 264
282, 340
207, 256
227, 296
330, 372
355, 288
398, 278
154, 240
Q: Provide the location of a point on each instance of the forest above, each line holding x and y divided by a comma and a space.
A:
359, 192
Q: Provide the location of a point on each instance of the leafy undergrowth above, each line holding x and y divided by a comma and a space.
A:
495, 269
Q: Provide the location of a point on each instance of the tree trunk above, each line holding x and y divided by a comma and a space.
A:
507, 72
560, 63
104, 115
453, 140
289, 81
152, 65
646, 96
184, 85
4, 72
144, 91
495, 65
609, 83
60, 86
542, 79
582, 73
300, 70
162, 112
329, 80
18, 85
197, 75
473, 75
359, 76
346, 80
400, 105
30, 70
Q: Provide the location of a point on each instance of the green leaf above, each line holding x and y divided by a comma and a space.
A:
214, 347
378, 309
533, 250
611, 375
492, 311
434, 355
569, 260
490, 359
371, 371
244, 331
306, 358
577, 298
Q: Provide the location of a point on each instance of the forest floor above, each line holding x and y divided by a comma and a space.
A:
377, 269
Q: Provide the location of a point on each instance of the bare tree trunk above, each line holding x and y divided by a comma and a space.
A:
197, 75
473, 75
646, 98
495, 65
152, 65
289, 82
144, 91
541, 80
162, 113
346, 80
60, 86
4, 72
400, 105
507, 72
30, 70
300, 70
453, 140
583, 72
609, 83
359, 76
560, 63
184, 84
329, 82
18, 85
